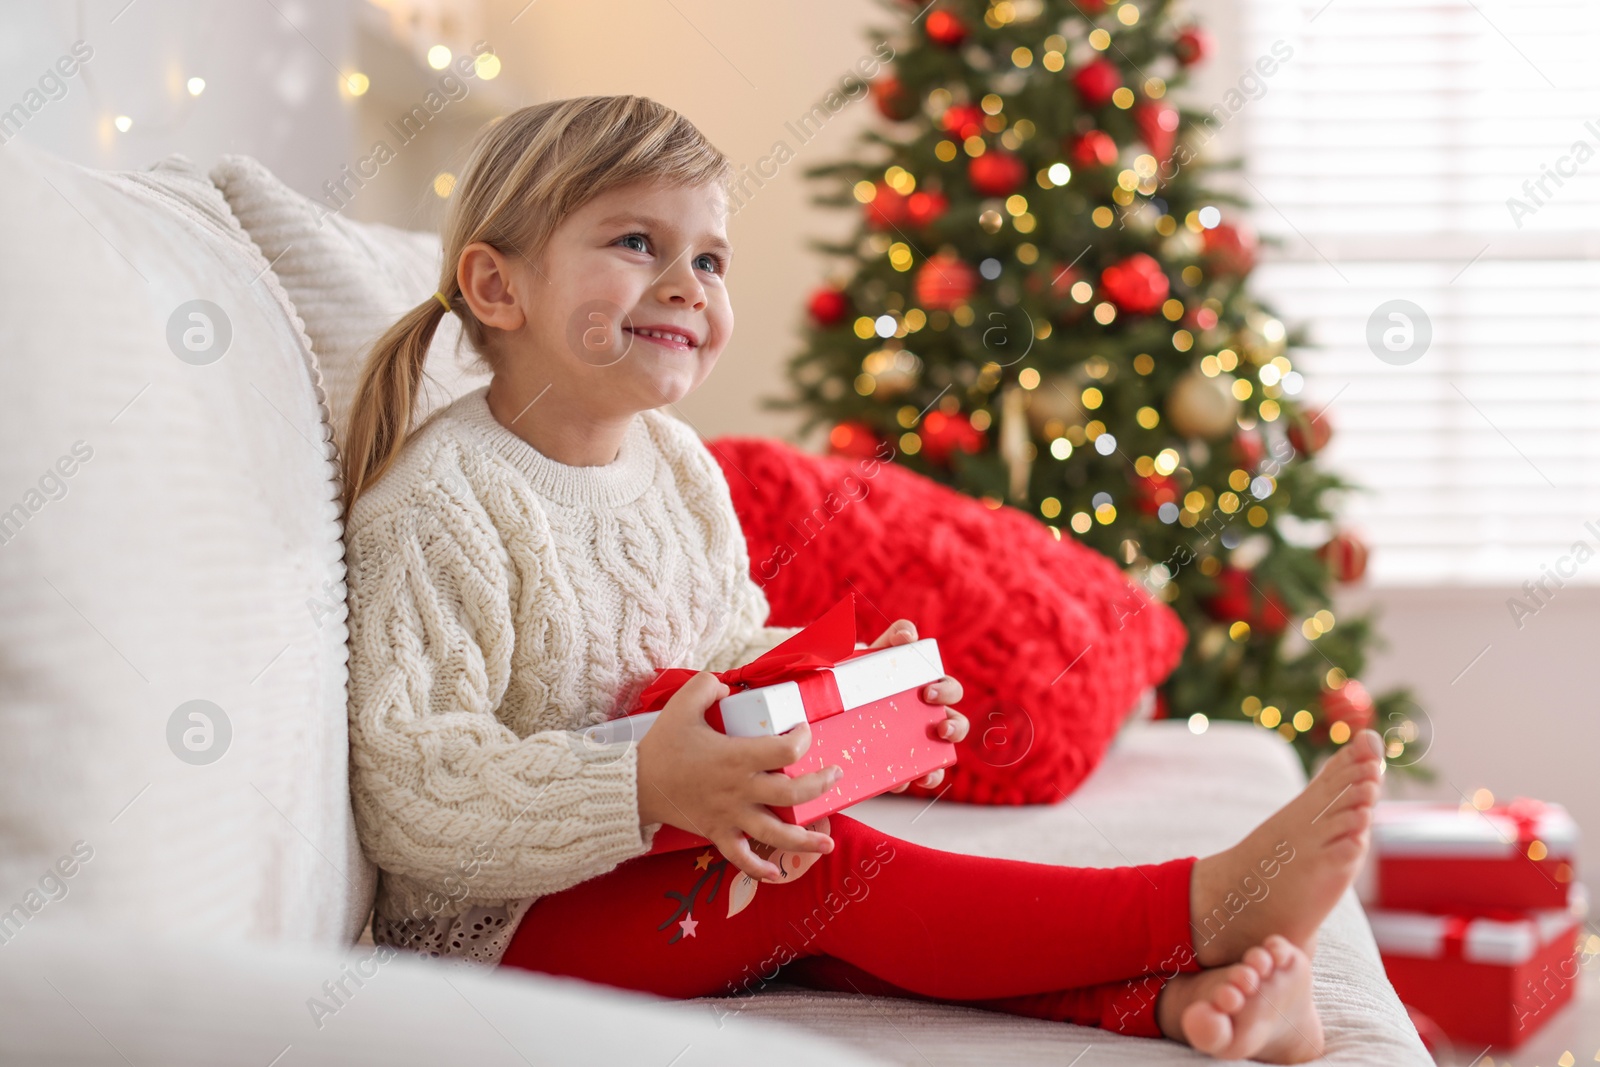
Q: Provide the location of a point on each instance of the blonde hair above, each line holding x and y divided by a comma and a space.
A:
526, 171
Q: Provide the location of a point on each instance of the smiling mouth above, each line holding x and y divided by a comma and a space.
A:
666, 338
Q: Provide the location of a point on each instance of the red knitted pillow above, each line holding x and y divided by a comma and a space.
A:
1052, 643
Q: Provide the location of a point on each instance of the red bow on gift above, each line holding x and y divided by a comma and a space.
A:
802, 658
1527, 814
1454, 943
1455, 937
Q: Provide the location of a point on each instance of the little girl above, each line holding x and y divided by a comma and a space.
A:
521, 564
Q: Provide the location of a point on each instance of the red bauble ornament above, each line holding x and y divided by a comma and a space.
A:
1229, 248
1350, 704
1237, 600
923, 208
1093, 149
997, 173
1096, 81
1151, 491
894, 100
944, 28
1192, 45
1310, 431
828, 307
1136, 285
887, 209
942, 434
854, 439
962, 120
945, 282
1249, 450
1346, 556
1158, 127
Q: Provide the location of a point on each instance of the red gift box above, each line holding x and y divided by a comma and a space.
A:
1436, 857
1491, 979
864, 706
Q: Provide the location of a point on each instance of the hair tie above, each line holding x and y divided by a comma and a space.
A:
442, 300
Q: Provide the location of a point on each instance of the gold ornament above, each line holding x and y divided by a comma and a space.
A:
1199, 406
895, 372
1014, 442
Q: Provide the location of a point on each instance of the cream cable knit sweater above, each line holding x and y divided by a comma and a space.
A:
499, 602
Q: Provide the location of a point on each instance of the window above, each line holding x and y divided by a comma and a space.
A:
1447, 154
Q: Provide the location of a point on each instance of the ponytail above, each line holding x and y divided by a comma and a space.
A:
386, 395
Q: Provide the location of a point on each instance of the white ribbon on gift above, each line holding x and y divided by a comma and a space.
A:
1493, 941
1424, 828
769, 710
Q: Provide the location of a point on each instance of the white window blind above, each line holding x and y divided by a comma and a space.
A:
1383, 154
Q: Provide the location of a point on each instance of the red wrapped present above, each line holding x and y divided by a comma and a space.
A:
864, 706
1488, 979
1435, 857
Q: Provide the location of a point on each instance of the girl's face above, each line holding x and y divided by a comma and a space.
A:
629, 305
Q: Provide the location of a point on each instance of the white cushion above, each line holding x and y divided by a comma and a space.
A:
174, 538
114, 1001
349, 281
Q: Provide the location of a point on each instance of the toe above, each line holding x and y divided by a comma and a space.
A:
1344, 824
1227, 998
1283, 953
1368, 746
1245, 979
1259, 960
1205, 1028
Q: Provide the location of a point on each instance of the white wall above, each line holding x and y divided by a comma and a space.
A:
270, 90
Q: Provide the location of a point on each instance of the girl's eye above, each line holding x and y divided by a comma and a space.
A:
716, 262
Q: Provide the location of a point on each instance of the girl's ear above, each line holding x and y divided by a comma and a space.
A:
491, 287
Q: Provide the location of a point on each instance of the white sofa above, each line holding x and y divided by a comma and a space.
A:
179, 874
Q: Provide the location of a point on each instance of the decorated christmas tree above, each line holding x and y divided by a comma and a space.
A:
1045, 306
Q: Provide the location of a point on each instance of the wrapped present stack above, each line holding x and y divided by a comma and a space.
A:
1478, 913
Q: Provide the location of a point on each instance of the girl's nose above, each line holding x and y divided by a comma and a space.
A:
678, 284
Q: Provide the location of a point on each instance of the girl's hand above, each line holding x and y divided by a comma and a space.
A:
945, 691
699, 779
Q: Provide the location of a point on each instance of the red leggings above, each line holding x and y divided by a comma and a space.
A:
884, 916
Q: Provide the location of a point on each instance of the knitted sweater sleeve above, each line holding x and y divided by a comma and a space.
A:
438, 781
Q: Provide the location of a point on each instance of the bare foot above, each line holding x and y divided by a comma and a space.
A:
1259, 1008
1290, 871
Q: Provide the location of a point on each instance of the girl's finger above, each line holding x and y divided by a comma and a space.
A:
777, 790
901, 788
771, 753
764, 826
945, 691
697, 695
739, 853
900, 632
932, 778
